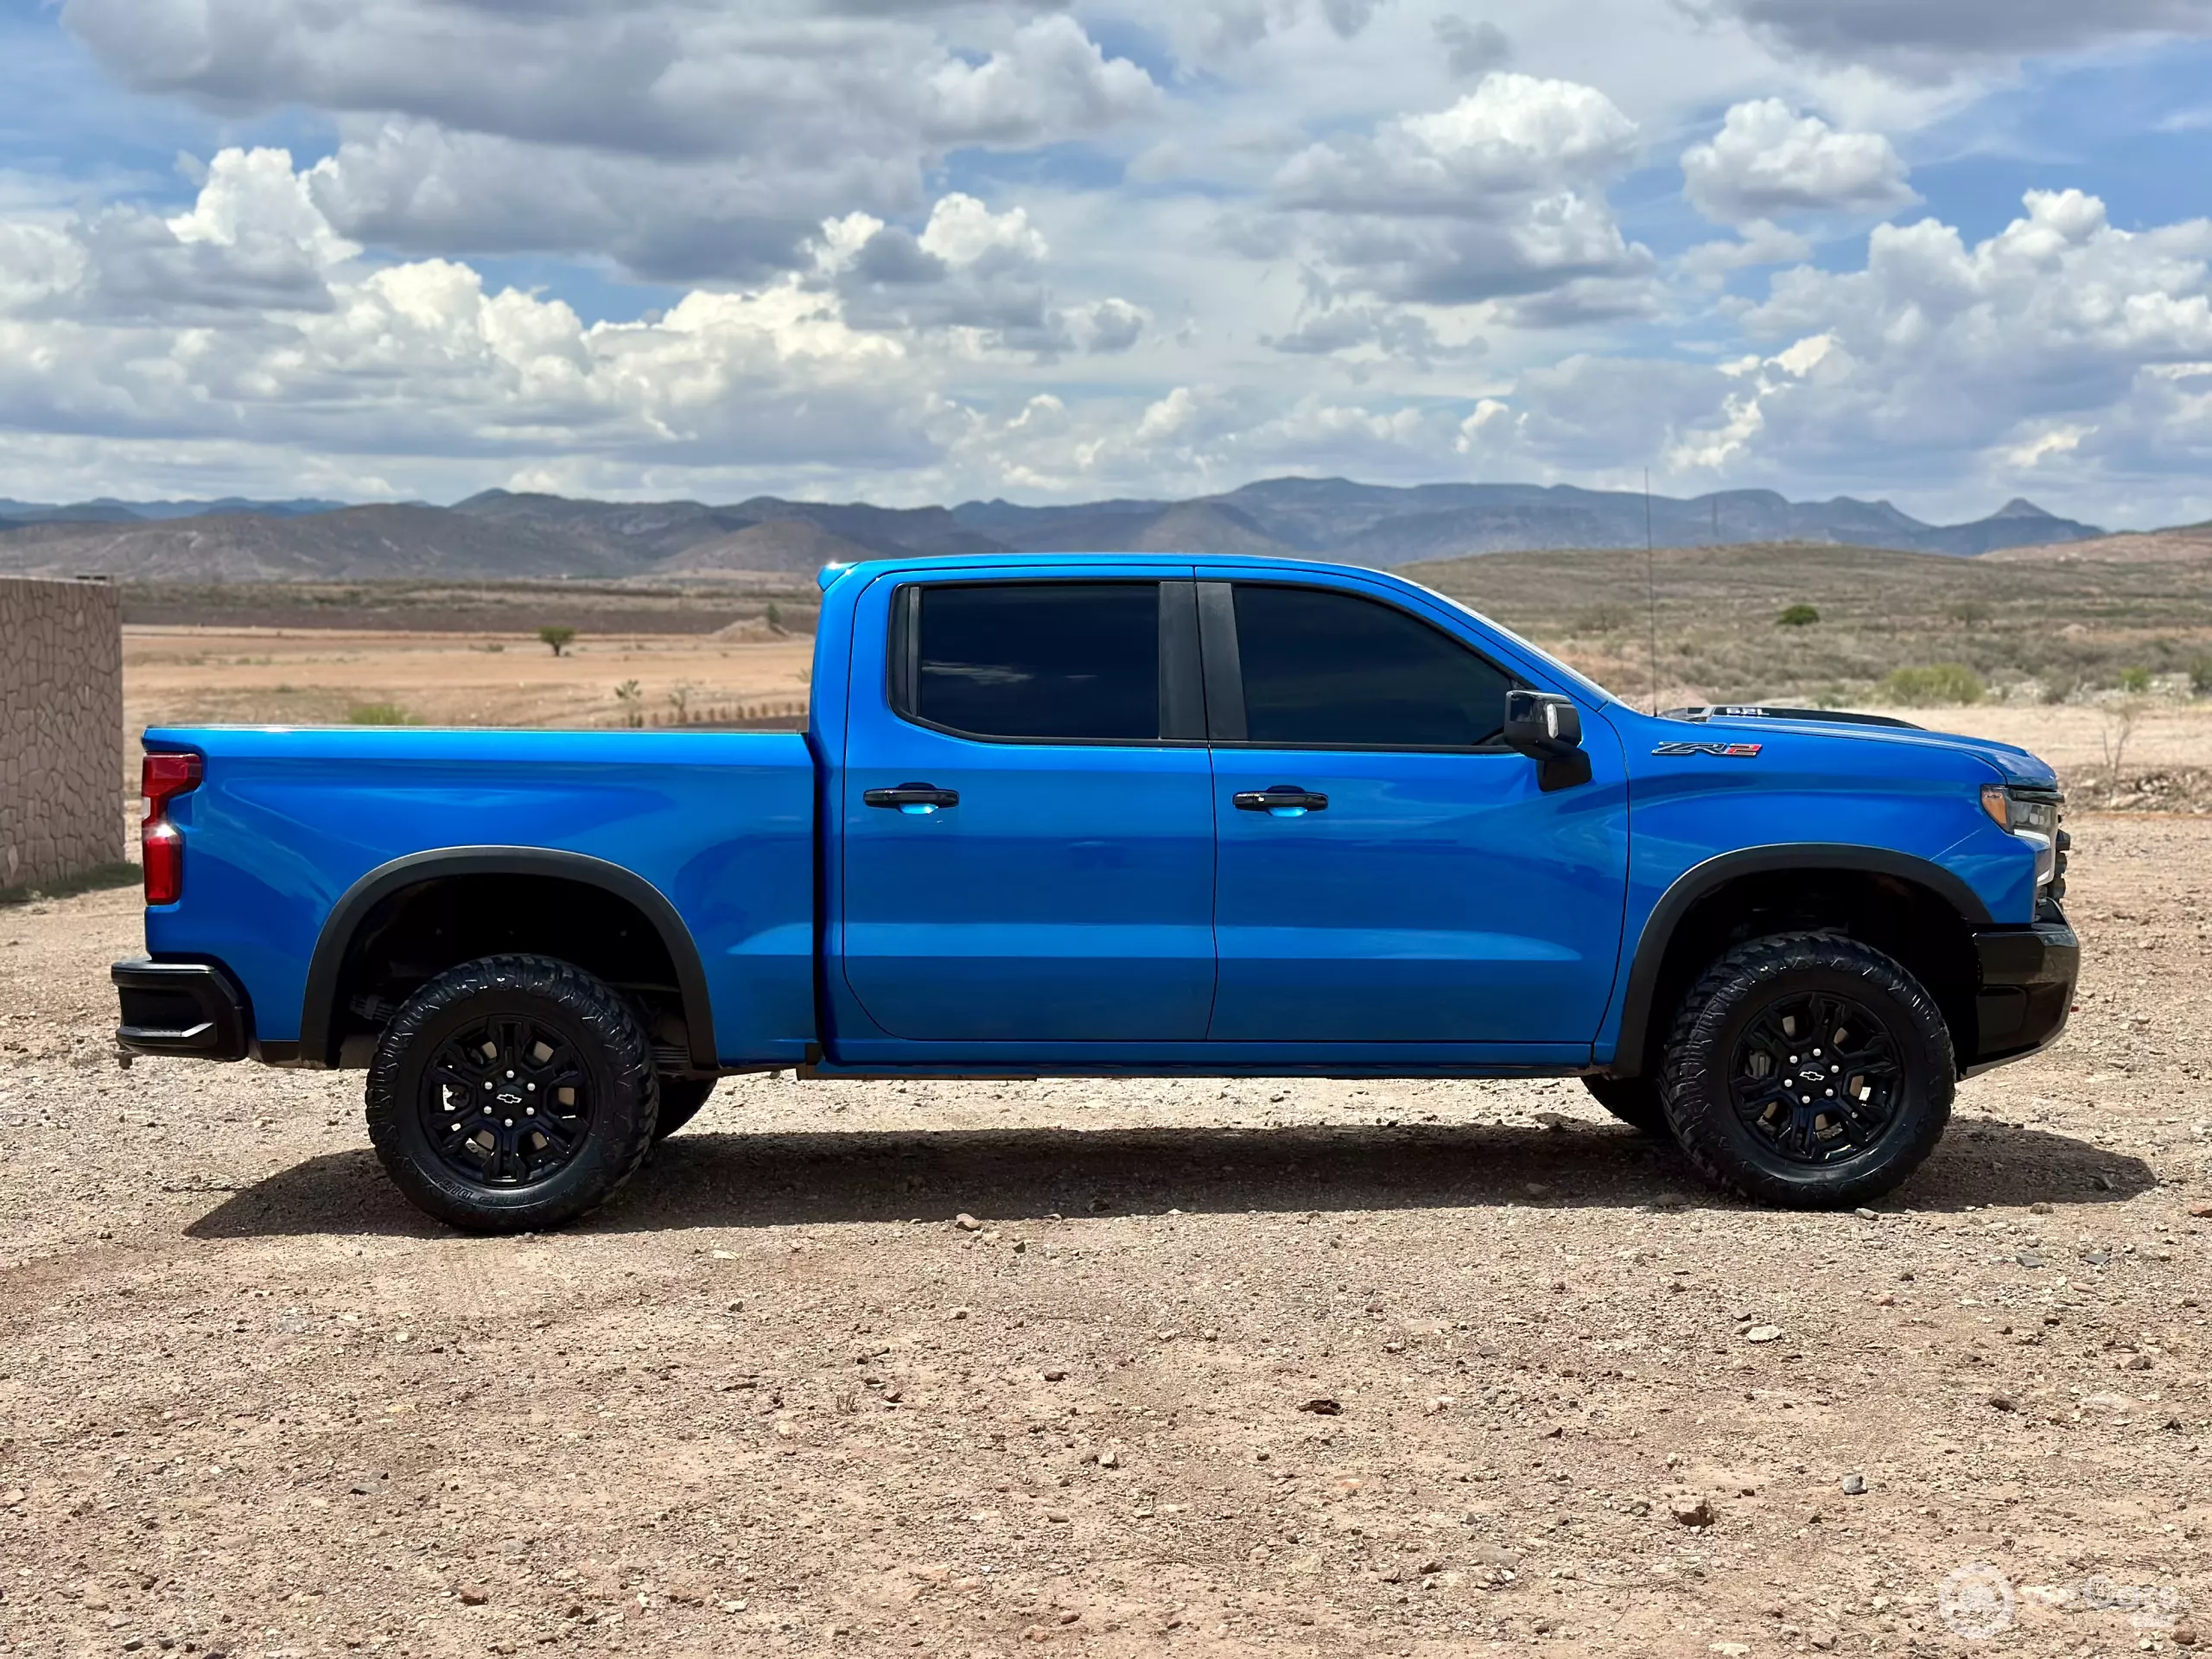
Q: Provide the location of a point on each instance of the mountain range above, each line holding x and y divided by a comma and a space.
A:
502, 534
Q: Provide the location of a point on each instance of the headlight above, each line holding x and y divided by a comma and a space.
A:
2016, 809
2032, 814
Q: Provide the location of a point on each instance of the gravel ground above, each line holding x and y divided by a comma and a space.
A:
1112, 1368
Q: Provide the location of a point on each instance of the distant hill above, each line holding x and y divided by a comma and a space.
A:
356, 543
792, 546
2183, 544
500, 533
107, 511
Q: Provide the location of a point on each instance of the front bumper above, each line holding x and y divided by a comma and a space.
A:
181, 1008
2026, 990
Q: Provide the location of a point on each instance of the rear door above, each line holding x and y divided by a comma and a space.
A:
1389, 871
1027, 811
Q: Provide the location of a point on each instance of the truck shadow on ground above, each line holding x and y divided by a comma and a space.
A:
763, 1181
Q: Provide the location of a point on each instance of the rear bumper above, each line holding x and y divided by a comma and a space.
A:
2026, 990
181, 1008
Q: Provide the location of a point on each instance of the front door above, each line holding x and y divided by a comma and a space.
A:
1389, 872
1028, 825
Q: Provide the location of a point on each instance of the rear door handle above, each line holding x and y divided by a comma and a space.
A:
1280, 800
919, 799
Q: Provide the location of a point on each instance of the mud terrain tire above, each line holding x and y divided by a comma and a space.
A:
511, 1094
1809, 1070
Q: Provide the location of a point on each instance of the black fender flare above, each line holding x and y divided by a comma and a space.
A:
1701, 880
319, 1004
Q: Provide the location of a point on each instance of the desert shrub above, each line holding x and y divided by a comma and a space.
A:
1966, 613
1605, 618
630, 697
1798, 616
2200, 676
557, 638
1934, 686
775, 616
376, 714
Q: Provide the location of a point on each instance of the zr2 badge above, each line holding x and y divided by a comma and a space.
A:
1723, 751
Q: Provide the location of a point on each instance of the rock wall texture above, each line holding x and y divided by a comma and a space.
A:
60, 728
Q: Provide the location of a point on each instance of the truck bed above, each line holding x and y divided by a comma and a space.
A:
287, 821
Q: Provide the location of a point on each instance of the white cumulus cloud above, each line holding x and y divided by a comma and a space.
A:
1768, 160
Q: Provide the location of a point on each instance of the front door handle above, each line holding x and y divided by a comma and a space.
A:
918, 799
1280, 800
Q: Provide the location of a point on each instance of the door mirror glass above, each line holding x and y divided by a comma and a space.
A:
1548, 728
1541, 724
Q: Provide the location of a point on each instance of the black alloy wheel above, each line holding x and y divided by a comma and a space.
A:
506, 1101
511, 1094
1809, 1069
1816, 1077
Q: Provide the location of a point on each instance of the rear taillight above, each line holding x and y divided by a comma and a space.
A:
164, 777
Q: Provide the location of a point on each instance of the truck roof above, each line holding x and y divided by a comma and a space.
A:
830, 574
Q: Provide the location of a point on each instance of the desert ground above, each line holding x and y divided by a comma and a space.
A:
1135, 1367
1124, 1367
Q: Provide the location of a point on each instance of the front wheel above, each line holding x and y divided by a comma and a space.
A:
1809, 1070
512, 1093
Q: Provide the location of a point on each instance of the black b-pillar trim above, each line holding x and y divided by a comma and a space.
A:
1182, 690
319, 1007
1224, 668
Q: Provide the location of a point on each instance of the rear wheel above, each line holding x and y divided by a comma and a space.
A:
512, 1093
1809, 1069
680, 1101
1634, 1101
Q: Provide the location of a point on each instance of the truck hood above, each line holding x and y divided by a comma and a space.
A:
2013, 764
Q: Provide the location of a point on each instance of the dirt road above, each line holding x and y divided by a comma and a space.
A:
1279, 1369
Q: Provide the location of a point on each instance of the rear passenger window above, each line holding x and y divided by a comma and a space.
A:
1043, 660
1332, 671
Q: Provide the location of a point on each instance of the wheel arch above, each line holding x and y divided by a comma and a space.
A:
1734, 884
321, 1024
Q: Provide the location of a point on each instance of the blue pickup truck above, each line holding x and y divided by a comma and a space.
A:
1116, 814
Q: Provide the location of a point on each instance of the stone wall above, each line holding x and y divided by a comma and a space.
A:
60, 728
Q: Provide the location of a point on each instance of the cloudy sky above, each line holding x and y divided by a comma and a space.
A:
1945, 251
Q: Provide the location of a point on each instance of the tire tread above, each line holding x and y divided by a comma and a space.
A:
1687, 1086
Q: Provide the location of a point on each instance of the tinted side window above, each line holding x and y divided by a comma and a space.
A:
1334, 670
1045, 660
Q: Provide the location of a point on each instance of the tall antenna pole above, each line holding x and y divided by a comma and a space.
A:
1650, 590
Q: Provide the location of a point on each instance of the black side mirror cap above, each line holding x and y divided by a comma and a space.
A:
1548, 728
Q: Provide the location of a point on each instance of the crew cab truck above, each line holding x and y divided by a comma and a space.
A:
1115, 815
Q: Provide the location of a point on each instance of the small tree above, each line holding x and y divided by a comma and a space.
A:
680, 700
775, 617
2135, 681
629, 695
2117, 726
558, 638
1798, 616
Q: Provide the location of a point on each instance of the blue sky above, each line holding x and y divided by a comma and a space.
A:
1947, 254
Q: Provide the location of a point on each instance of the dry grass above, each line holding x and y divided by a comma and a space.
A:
2063, 629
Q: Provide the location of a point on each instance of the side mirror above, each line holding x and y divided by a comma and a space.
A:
1548, 728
